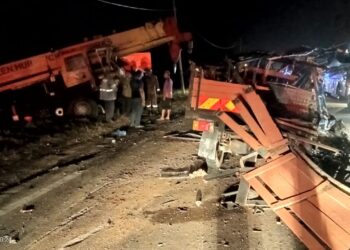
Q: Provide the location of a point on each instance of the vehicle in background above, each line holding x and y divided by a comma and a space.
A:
66, 81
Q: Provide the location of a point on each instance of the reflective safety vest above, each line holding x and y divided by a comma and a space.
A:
108, 90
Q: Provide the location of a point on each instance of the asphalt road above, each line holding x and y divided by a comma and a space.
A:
339, 110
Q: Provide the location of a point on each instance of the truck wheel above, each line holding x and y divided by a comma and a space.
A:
214, 165
83, 107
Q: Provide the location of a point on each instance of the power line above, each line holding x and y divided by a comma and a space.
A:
218, 46
132, 7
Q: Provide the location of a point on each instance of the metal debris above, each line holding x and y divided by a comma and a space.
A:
27, 208
186, 136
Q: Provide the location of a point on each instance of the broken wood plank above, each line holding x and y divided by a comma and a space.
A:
300, 128
317, 144
82, 237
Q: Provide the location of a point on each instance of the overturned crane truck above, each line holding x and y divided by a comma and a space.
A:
65, 80
234, 120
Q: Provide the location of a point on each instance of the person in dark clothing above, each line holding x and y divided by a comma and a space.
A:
152, 87
108, 94
126, 94
137, 99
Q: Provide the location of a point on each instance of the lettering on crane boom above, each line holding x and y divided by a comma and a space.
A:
15, 67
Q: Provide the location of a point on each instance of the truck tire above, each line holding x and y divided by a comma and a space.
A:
215, 164
83, 107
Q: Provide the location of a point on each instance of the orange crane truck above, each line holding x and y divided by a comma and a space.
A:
64, 81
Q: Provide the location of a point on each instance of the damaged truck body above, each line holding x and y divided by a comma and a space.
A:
236, 118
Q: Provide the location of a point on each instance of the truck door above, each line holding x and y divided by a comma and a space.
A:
76, 69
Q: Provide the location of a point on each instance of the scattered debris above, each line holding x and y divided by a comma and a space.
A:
182, 209
27, 208
82, 237
316, 144
186, 136
10, 238
258, 210
119, 133
175, 172
160, 244
278, 221
229, 205
110, 222
199, 197
168, 201
64, 223
198, 173
256, 229
229, 194
225, 243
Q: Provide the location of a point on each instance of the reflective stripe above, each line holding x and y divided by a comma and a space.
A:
230, 106
106, 90
209, 103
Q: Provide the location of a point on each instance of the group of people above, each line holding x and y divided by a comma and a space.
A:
131, 92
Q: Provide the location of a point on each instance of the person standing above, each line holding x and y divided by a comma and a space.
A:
125, 99
108, 94
167, 96
137, 99
152, 87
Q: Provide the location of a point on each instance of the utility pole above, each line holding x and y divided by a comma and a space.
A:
180, 57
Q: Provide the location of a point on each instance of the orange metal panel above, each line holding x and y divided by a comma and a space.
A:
263, 117
23, 68
294, 180
338, 196
320, 206
303, 196
25, 83
269, 166
250, 140
308, 172
333, 207
295, 226
215, 89
253, 125
322, 225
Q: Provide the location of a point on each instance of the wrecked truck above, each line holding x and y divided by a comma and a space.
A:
234, 120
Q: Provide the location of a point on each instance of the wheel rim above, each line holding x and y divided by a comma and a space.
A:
219, 158
82, 108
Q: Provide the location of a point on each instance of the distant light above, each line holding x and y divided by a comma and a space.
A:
347, 51
175, 68
197, 69
245, 65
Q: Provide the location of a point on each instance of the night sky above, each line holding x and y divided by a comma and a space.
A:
31, 27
